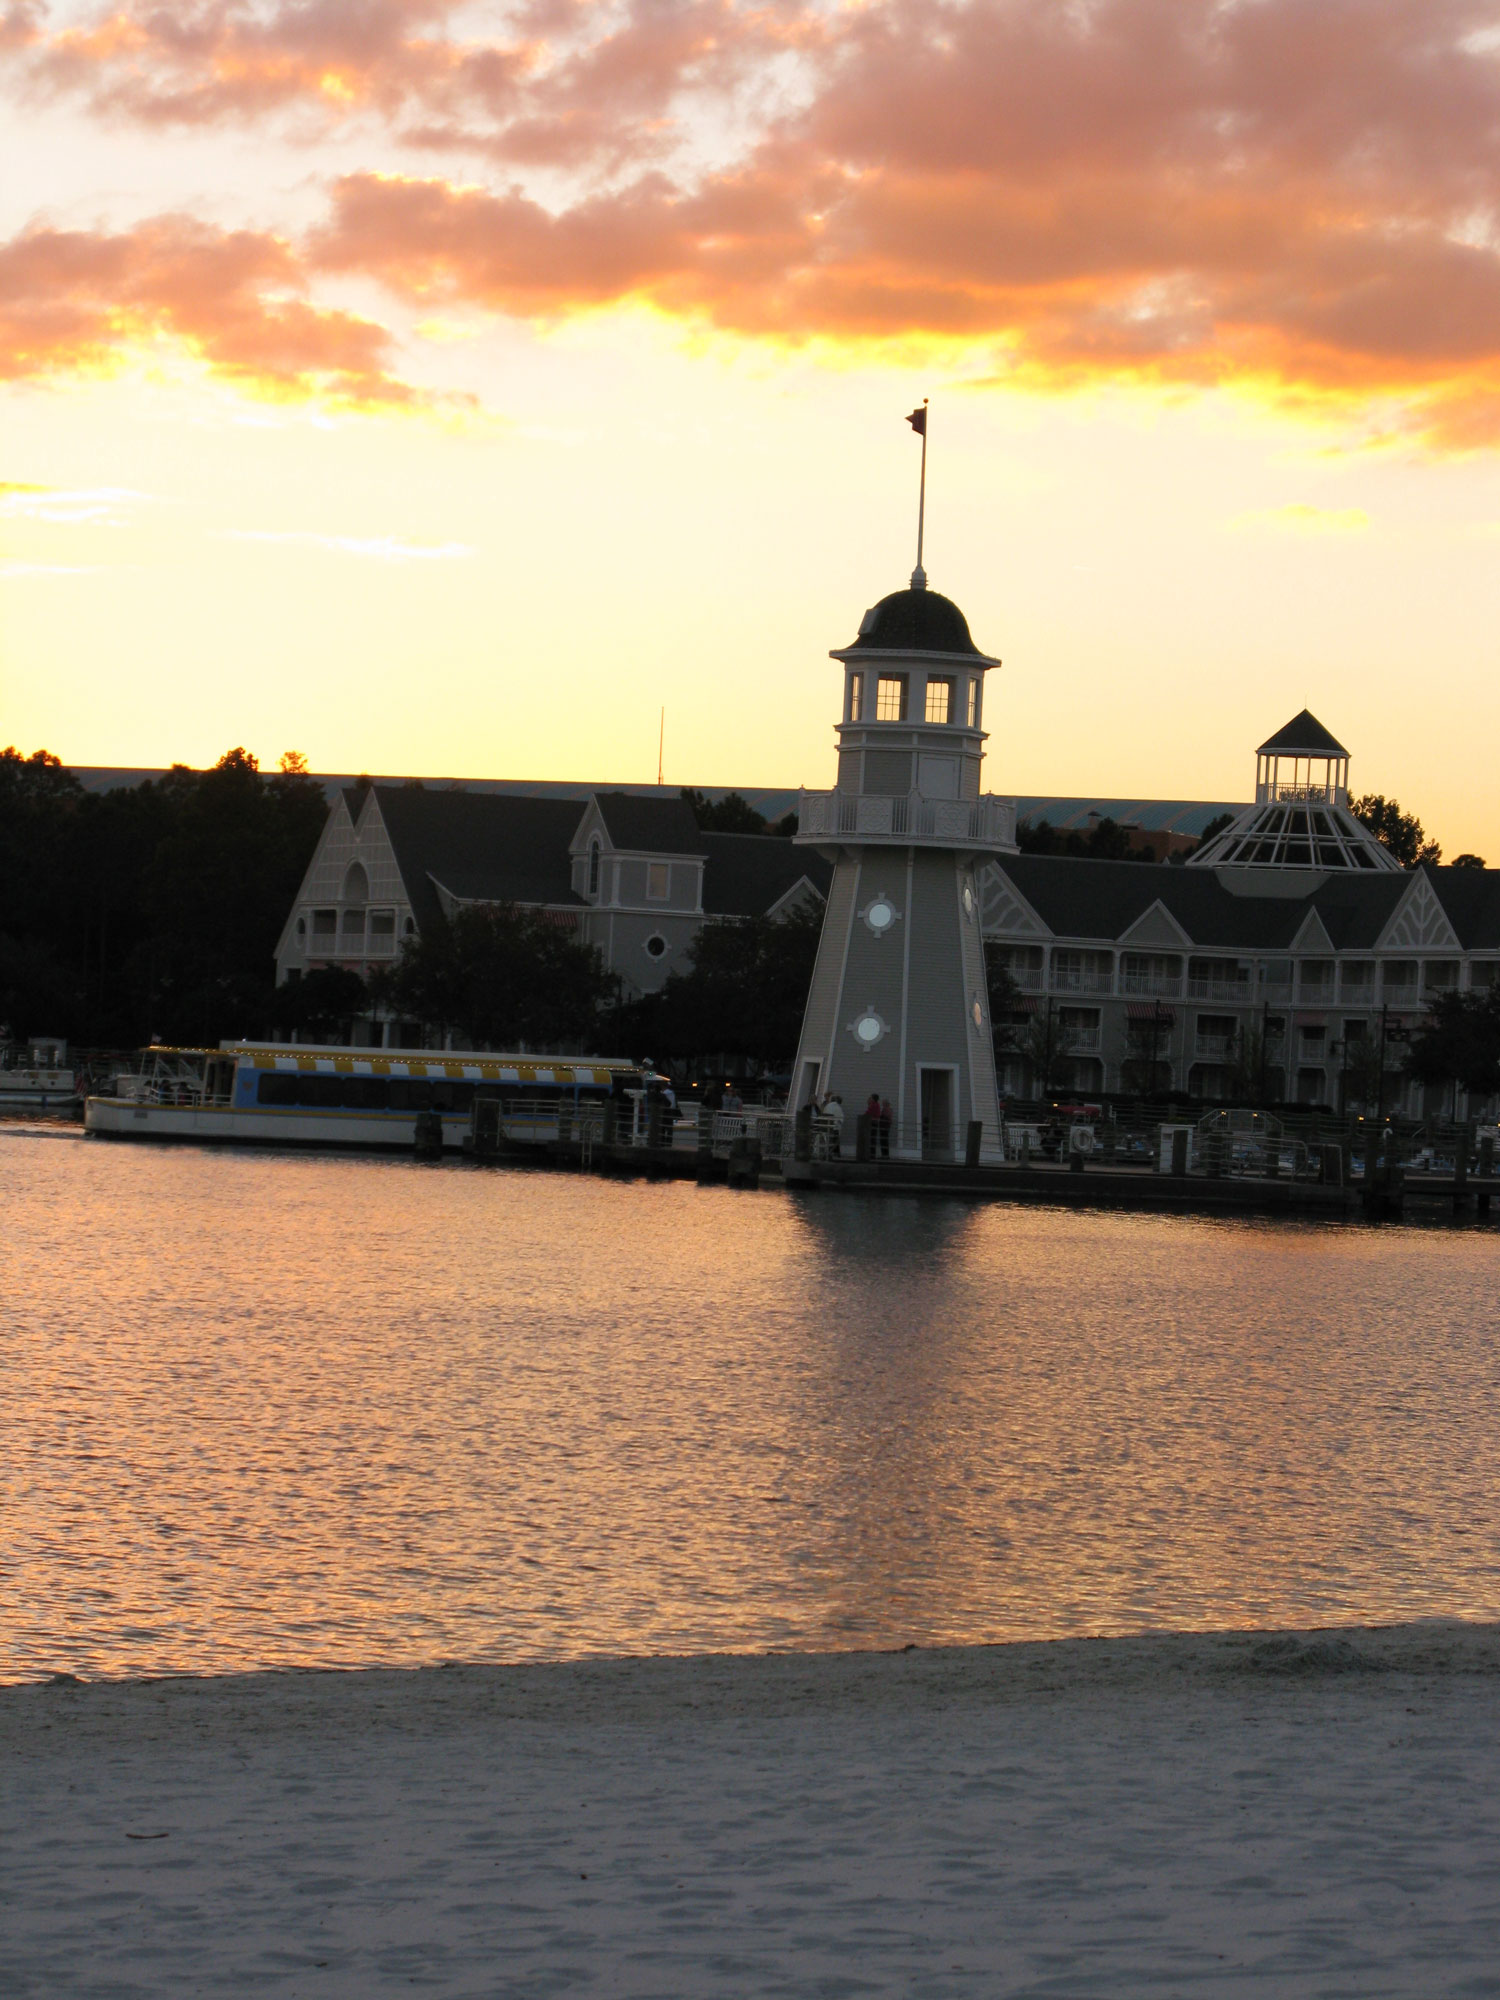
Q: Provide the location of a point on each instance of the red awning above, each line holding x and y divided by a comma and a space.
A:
563, 920
1150, 1010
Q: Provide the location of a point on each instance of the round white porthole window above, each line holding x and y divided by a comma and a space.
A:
978, 1012
880, 914
656, 945
868, 1028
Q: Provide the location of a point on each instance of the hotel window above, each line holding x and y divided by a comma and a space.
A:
354, 923
325, 922
382, 923
971, 691
939, 701
658, 881
890, 698
593, 867
856, 697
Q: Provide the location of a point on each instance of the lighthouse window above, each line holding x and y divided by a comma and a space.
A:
856, 697
971, 689
890, 698
658, 880
939, 701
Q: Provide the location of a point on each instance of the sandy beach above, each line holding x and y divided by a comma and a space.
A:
1291, 1815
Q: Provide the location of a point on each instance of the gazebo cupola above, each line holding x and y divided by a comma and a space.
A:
1301, 818
1302, 764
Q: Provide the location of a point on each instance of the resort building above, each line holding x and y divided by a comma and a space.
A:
634, 876
1283, 959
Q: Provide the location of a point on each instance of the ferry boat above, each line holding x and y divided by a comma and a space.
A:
38, 1077
273, 1093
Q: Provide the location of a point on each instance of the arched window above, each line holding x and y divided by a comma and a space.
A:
356, 884
594, 867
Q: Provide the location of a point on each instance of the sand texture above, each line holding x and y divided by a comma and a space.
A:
1309, 1814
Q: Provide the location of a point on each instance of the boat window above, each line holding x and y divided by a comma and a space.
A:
277, 1088
452, 1096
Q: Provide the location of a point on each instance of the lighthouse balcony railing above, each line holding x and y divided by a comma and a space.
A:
1301, 795
906, 816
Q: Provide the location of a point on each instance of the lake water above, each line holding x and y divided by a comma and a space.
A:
268, 1410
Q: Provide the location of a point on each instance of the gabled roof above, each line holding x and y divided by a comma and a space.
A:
747, 873
1303, 736
1104, 899
648, 826
482, 847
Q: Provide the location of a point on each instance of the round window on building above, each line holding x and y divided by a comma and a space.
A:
978, 1012
868, 1028
656, 945
880, 915
302, 927
968, 899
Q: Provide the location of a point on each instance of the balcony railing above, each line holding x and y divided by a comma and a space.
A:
1399, 993
1158, 985
1213, 1048
1217, 988
907, 817
1070, 981
1028, 978
1087, 1042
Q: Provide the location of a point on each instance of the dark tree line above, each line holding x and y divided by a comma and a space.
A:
153, 909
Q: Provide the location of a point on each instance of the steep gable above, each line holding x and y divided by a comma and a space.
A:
1312, 934
1157, 927
1419, 921
1003, 910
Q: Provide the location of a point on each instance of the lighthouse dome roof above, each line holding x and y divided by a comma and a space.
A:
914, 621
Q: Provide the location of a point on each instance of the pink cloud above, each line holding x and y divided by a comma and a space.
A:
1295, 194
78, 301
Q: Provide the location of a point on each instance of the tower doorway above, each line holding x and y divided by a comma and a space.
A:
935, 1097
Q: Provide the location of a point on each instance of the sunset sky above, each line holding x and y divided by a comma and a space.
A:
445, 388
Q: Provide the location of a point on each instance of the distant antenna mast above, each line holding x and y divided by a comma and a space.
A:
661, 744
918, 422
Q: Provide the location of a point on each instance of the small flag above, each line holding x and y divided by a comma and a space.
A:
918, 421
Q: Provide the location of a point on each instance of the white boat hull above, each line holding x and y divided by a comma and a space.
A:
118, 1118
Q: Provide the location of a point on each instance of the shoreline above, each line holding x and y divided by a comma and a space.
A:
638, 1687
1295, 1815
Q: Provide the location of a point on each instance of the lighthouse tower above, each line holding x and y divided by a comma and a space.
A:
898, 1007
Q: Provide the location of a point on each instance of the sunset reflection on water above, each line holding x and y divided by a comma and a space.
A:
264, 1411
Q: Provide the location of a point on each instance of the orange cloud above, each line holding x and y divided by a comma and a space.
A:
569, 81
74, 301
1298, 198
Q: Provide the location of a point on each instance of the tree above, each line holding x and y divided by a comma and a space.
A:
1467, 861
1106, 840
505, 977
322, 1002
1459, 1042
1402, 833
1215, 826
731, 814
746, 991
154, 908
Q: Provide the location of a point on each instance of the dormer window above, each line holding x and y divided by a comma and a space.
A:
890, 698
594, 868
939, 701
658, 881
